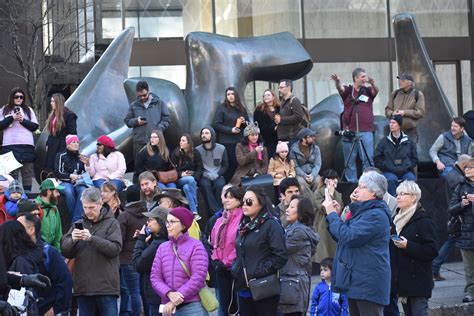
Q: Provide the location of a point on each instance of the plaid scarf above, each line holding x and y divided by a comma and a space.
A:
247, 224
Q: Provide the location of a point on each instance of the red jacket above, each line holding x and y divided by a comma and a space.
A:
4, 217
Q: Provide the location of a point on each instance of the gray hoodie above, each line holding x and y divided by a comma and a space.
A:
215, 159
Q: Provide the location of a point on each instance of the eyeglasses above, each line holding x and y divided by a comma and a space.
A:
248, 202
99, 144
281, 87
403, 193
18, 97
169, 223
468, 168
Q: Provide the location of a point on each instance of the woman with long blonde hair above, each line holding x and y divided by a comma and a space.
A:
154, 157
60, 123
265, 116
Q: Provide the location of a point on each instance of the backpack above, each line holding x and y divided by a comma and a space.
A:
417, 94
306, 122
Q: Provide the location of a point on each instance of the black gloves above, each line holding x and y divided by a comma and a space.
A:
218, 265
35, 280
7, 310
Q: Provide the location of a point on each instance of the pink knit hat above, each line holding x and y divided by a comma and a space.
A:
71, 138
281, 147
106, 141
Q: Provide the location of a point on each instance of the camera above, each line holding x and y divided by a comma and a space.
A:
345, 133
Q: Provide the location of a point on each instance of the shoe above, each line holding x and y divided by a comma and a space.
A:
467, 298
197, 217
438, 277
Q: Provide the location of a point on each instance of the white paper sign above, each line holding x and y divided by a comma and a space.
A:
8, 163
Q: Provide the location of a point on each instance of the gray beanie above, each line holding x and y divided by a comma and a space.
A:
252, 128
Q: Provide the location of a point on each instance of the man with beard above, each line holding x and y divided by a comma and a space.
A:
307, 157
148, 189
47, 201
215, 163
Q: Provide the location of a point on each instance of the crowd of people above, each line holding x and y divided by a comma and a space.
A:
203, 214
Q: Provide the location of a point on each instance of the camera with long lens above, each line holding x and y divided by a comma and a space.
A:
345, 133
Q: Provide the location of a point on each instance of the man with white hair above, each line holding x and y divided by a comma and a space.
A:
407, 102
362, 263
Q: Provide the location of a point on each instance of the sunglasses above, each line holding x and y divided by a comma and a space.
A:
18, 97
248, 202
99, 144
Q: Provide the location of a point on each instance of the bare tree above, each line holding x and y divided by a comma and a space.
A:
43, 40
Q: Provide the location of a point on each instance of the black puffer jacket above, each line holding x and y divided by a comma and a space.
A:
411, 267
466, 239
262, 251
397, 159
66, 163
183, 163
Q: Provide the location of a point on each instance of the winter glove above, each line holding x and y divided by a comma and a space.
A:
35, 280
218, 265
7, 310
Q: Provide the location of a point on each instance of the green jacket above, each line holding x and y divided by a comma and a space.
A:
51, 230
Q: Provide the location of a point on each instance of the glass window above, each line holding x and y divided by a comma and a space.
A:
175, 73
435, 18
133, 71
273, 16
446, 74
345, 19
466, 85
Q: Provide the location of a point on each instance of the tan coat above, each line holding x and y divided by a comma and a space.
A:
406, 101
327, 245
280, 169
248, 164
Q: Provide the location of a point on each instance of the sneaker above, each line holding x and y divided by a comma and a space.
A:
467, 298
438, 277
197, 217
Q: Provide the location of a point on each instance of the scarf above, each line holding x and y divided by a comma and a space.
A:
402, 218
247, 224
53, 125
221, 233
252, 147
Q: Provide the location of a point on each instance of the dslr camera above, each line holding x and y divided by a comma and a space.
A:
345, 133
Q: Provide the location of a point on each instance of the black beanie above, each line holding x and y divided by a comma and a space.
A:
26, 206
398, 118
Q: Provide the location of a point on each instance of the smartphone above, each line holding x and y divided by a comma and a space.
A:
327, 195
395, 237
161, 309
147, 231
78, 225
143, 118
16, 109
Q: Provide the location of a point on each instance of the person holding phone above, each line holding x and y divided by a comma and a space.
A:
412, 250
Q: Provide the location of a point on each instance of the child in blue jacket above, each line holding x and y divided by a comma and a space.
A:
325, 302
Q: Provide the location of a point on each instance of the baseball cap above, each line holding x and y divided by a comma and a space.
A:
406, 77
50, 184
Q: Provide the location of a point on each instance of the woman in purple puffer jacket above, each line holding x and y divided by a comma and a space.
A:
169, 278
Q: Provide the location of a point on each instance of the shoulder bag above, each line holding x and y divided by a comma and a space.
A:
166, 177
208, 300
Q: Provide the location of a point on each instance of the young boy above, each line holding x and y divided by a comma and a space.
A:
325, 302
13, 195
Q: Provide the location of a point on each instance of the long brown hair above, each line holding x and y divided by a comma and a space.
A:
11, 103
190, 152
162, 149
265, 108
237, 103
58, 112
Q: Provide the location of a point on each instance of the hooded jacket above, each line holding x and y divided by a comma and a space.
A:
130, 220
215, 161
304, 166
96, 270
398, 159
11, 206
51, 227
361, 267
157, 117
326, 302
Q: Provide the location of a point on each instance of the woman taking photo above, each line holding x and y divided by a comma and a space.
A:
223, 244
107, 164
301, 242
252, 157
18, 122
229, 122
180, 267
154, 157
327, 187
189, 167
265, 116
412, 251
109, 195
261, 252
60, 123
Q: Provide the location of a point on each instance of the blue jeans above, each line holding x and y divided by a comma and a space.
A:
130, 300
168, 185
72, 193
447, 169
212, 191
392, 308
367, 139
118, 184
189, 186
153, 309
100, 305
393, 179
443, 253
191, 309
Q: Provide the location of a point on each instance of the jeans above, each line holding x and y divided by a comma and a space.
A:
212, 191
224, 287
130, 300
189, 186
265, 307
468, 261
118, 184
416, 306
393, 179
97, 305
72, 193
168, 185
191, 309
443, 253
367, 139
392, 308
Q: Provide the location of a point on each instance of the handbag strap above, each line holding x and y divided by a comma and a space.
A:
181, 261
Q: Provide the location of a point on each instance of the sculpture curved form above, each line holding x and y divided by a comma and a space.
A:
100, 101
215, 62
413, 58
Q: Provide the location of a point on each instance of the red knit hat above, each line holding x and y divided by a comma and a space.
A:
184, 215
106, 141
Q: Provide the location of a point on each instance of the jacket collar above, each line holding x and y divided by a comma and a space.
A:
358, 208
403, 137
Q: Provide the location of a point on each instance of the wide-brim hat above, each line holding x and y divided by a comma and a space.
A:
158, 212
172, 193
